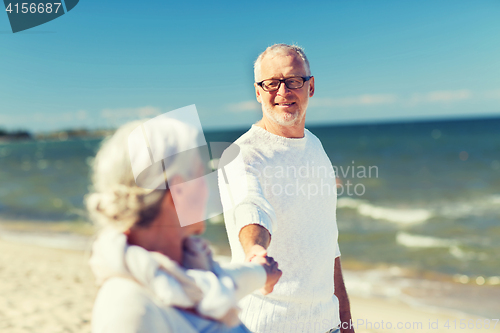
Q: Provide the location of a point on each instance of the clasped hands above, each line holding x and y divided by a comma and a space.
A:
197, 255
258, 254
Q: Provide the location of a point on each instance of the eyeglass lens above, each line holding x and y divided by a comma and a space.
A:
291, 83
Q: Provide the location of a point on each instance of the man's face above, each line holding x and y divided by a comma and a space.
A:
285, 107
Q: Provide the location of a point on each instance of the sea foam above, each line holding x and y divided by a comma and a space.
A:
453, 246
394, 215
410, 240
478, 206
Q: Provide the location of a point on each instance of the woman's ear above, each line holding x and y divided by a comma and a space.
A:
175, 180
168, 200
176, 191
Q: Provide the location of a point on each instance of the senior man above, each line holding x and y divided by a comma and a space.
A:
286, 205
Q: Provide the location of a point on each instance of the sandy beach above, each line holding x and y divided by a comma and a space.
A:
381, 316
48, 290
44, 290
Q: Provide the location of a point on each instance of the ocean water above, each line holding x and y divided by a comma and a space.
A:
435, 202
419, 195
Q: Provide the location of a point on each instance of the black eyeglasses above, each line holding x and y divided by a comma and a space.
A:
295, 82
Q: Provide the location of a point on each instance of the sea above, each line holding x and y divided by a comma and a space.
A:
420, 197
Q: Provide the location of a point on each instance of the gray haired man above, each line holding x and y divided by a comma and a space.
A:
286, 205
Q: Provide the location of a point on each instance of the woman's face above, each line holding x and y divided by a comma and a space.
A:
183, 216
190, 198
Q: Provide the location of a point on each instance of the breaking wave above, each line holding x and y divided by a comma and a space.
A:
394, 215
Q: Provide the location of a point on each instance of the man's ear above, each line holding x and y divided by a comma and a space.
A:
257, 93
311, 87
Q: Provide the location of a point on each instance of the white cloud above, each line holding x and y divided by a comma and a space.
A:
4, 118
440, 96
57, 118
244, 106
368, 100
127, 113
447, 96
359, 100
492, 94
363, 100
81, 115
45, 120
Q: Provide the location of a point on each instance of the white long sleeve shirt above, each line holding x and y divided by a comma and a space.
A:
288, 187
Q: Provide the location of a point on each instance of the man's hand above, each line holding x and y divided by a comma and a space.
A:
255, 251
255, 239
272, 271
340, 292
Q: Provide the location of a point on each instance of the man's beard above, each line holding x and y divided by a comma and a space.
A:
283, 118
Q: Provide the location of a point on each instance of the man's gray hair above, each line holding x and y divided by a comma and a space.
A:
283, 49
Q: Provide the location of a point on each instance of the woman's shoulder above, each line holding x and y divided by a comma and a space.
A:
119, 289
122, 305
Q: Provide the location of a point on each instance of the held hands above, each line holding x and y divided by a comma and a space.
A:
258, 254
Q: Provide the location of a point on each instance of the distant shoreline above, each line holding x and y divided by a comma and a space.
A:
22, 136
61, 135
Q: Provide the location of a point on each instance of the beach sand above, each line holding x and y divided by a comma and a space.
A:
44, 290
370, 313
48, 290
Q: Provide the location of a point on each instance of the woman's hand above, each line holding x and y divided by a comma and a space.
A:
272, 271
197, 254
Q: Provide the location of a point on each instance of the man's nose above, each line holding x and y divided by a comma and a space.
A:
283, 89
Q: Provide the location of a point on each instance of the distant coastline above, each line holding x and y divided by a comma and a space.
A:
62, 135
15, 135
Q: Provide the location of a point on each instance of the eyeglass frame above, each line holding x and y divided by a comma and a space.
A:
305, 78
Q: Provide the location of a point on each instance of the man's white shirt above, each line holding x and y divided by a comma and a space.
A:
288, 187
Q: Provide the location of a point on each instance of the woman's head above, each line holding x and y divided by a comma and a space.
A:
116, 200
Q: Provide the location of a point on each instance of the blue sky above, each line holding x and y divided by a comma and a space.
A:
107, 62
